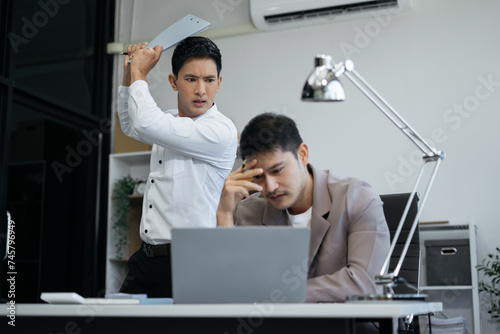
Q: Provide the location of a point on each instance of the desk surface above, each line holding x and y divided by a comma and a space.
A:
384, 309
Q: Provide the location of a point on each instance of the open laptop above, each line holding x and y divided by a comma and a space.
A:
240, 264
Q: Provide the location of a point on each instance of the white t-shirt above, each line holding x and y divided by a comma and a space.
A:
300, 220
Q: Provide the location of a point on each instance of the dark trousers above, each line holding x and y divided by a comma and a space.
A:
149, 273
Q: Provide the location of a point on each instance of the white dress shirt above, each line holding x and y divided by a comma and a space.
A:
190, 159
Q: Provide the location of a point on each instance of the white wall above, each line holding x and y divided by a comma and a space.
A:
429, 63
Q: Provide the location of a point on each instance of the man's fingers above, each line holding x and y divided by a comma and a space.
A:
243, 192
248, 164
248, 174
238, 193
131, 50
158, 49
246, 185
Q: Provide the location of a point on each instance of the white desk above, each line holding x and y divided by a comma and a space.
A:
209, 318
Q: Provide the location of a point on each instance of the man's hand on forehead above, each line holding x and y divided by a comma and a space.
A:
249, 166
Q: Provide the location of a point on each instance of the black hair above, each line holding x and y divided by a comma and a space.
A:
195, 47
269, 132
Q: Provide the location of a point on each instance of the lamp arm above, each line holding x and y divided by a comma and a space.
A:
430, 155
388, 110
417, 216
395, 238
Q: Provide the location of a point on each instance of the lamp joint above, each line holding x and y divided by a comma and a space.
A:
434, 156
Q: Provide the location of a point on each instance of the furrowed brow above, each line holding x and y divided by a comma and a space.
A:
276, 165
197, 77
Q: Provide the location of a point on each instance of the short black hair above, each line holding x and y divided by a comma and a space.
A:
195, 47
269, 132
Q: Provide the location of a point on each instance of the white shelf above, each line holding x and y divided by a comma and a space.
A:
447, 287
135, 164
132, 157
458, 300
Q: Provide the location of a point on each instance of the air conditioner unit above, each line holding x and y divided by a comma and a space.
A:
270, 15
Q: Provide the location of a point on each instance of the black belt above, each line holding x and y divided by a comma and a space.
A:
156, 250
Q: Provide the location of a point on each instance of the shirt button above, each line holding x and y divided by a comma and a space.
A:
159, 162
150, 206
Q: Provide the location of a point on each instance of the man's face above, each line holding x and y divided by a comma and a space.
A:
197, 84
284, 178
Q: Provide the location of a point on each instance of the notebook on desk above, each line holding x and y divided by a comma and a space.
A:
240, 264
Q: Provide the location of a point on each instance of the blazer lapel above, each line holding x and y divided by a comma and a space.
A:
321, 209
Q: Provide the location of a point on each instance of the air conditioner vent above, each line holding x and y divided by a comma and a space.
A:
324, 12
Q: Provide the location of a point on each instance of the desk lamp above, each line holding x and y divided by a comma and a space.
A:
323, 85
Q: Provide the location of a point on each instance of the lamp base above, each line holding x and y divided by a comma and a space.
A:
388, 296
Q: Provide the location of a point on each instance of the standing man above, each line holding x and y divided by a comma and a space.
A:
349, 234
194, 147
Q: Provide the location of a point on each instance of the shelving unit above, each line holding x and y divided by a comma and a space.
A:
135, 164
458, 300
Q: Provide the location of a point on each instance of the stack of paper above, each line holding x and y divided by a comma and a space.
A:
439, 325
116, 299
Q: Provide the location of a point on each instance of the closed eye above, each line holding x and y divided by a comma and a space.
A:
277, 170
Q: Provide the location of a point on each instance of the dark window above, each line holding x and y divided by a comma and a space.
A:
55, 98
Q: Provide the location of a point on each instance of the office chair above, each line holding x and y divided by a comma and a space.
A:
394, 205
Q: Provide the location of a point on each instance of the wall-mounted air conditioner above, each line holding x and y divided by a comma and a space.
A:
281, 14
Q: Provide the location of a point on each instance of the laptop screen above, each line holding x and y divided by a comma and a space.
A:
240, 264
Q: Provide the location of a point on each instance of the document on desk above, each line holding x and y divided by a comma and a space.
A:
114, 299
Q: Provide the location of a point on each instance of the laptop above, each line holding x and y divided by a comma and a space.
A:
251, 264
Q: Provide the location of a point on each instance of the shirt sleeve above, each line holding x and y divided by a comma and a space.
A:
206, 138
123, 116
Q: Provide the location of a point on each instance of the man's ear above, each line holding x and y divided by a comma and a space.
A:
173, 81
218, 84
303, 154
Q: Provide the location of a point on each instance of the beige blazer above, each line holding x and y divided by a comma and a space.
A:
349, 236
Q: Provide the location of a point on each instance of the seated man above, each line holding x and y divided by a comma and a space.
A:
349, 234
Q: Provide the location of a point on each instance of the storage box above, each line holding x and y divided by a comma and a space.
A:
448, 262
